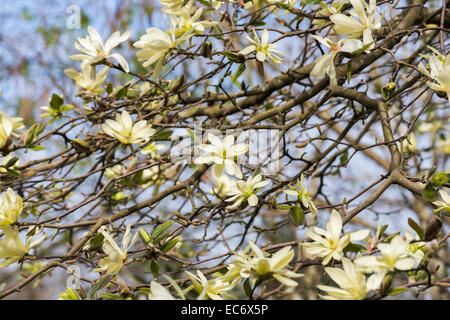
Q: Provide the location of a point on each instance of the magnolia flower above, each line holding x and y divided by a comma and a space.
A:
409, 145
152, 149
365, 24
155, 45
222, 186
302, 195
116, 256
126, 132
6, 162
7, 127
115, 171
394, 255
222, 154
325, 64
186, 23
443, 205
88, 79
172, 4
93, 50
327, 11
439, 66
10, 207
416, 248
215, 289
257, 263
353, 284
329, 244
11, 247
246, 191
262, 48
159, 292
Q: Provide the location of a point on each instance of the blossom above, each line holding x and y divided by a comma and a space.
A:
152, 149
12, 249
156, 44
302, 195
325, 64
439, 72
214, 289
88, 79
222, 186
115, 171
353, 284
126, 132
10, 207
7, 127
257, 263
345, 25
93, 50
115, 256
394, 255
328, 244
246, 191
159, 292
444, 204
185, 22
222, 154
262, 48
327, 11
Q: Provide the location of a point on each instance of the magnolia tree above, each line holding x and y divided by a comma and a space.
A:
260, 150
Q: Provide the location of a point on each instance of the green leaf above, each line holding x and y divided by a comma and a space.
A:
429, 193
100, 284
296, 216
36, 148
247, 287
354, 247
169, 245
234, 56
122, 92
381, 230
395, 291
56, 102
439, 178
284, 207
389, 238
349, 71
163, 135
158, 233
110, 296
154, 266
415, 226
96, 240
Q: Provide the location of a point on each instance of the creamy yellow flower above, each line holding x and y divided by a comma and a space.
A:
126, 132
444, 204
152, 149
325, 64
214, 289
222, 154
88, 79
328, 244
115, 256
364, 23
156, 44
12, 249
8, 126
258, 263
159, 292
353, 284
11, 206
263, 49
439, 72
246, 191
394, 255
187, 23
93, 50
302, 194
